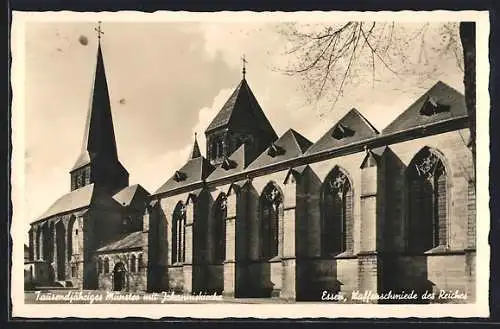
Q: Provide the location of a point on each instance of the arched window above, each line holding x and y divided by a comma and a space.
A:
428, 205
99, 266
337, 215
106, 265
271, 206
78, 180
76, 239
213, 149
71, 226
139, 263
45, 241
133, 261
220, 215
220, 147
39, 244
178, 233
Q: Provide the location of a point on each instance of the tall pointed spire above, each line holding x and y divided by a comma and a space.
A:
98, 161
99, 135
196, 149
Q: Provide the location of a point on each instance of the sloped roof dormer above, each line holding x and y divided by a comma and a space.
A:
351, 128
194, 171
439, 103
290, 145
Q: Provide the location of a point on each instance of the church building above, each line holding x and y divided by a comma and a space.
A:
262, 215
95, 225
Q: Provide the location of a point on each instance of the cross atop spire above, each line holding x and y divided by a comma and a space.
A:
244, 61
98, 30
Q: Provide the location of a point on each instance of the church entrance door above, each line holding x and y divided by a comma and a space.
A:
119, 277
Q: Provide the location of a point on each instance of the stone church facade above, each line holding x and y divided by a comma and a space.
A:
278, 216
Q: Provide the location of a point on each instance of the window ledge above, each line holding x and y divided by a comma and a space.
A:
443, 250
345, 254
275, 259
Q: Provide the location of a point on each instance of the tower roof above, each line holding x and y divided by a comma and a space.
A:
99, 135
195, 153
241, 110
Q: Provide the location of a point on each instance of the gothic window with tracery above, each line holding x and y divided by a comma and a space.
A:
271, 211
178, 233
337, 214
428, 205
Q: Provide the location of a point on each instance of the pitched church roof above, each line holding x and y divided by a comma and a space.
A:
124, 241
290, 145
352, 127
99, 135
441, 102
240, 110
195, 170
235, 163
73, 200
130, 195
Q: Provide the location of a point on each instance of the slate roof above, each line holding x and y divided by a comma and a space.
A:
99, 135
290, 145
130, 193
361, 129
195, 170
241, 109
440, 93
75, 199
239, 160
125, 241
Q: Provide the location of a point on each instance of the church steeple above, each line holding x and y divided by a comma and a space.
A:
240, 121
195, 153
98, 161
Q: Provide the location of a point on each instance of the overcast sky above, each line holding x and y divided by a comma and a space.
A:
168, 80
